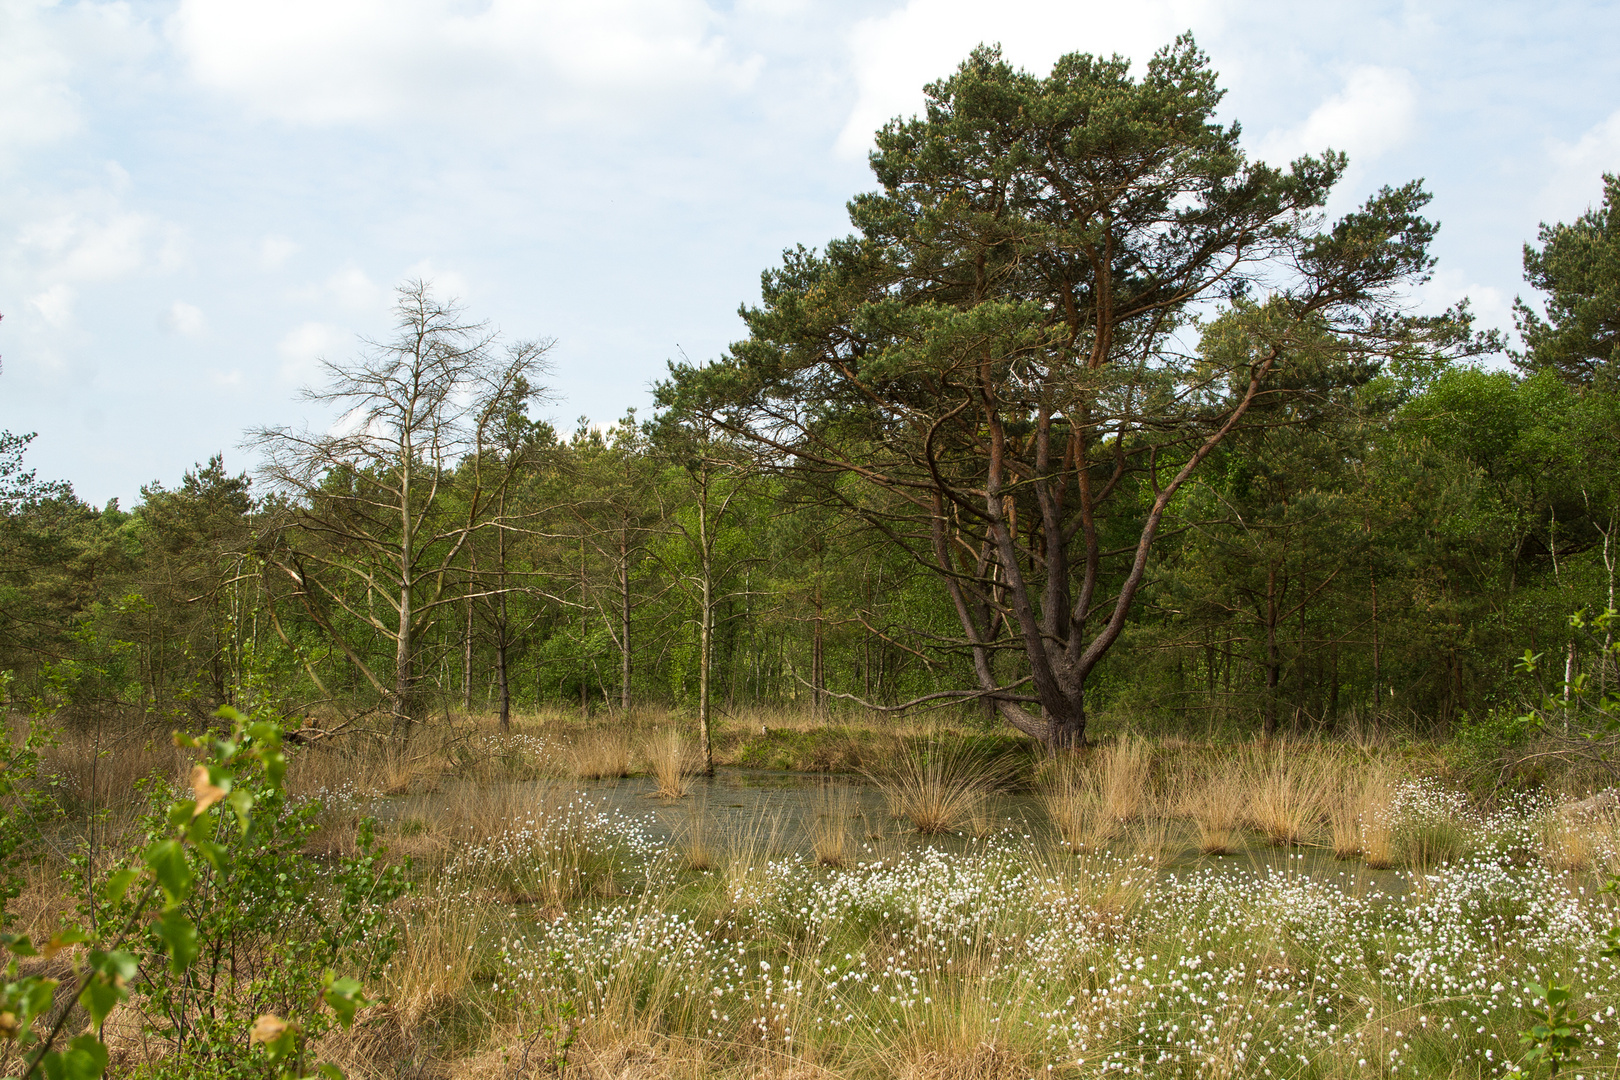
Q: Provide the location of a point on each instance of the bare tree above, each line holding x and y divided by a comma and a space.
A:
378, 516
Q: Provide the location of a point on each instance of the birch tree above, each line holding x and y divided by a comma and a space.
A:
370, 541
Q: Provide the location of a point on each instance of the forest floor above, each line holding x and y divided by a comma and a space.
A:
1170, 907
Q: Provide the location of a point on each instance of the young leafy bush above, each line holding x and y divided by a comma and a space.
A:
217, 917
267, 922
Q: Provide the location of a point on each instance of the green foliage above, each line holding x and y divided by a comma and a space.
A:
24, 806
1552, 1040
221, 892
1578, 266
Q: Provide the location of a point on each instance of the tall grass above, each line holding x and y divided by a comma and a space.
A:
1216, 807
832, 810
598, 753
1375, 815
671, 760
696, 840
1287, 793
939, 786
1122, 777
546, 849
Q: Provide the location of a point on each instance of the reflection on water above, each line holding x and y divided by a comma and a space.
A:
786, 812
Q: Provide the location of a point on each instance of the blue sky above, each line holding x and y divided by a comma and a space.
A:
198, 198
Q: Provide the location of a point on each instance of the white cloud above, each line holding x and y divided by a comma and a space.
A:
45, 48
895, 55
1492, 306
55, 305
97, 240
275, 250
319, 62
352, 289
304, 346
1576, 181
36, 103
184, 319
1374, 113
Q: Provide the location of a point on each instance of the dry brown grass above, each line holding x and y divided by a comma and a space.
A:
746, 861
1286, 793
104, 773
1150, 838
437, 958
527, 845
1215, 807
835, 806
364, 763
1122, 777
1578, 841
697, 842
938, 787
1344, 818
1070, 796
671, 759
598, 753
1376, 817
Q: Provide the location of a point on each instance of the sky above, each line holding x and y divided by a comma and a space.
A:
199, 199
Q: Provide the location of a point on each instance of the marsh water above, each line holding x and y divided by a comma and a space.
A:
779, 813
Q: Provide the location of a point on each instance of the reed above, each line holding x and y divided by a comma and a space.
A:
1215, 807
671, 761
835, 805
937, 787
598, 754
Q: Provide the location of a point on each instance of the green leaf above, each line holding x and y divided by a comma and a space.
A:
275, 767
18, 944
37, 995
180, 933
181, 813
241, 801
218, 855
84, 1059
117, 964
99, 996
113, 891
344, 995
167, 858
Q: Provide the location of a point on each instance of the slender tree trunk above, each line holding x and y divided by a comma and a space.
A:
1377, 662
624, 621
705, 633
503, 683
502, 641
1273, 653
467, 649
584, 629
1333, 685
817, 670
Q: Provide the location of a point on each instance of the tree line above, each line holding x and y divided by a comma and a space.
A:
1090, 415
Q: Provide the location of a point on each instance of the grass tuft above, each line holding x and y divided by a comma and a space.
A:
671, 761
938, 787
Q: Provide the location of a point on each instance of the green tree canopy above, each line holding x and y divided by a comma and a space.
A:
1578, 267
1007, 348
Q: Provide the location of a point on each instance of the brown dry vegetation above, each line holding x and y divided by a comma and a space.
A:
1117, 812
